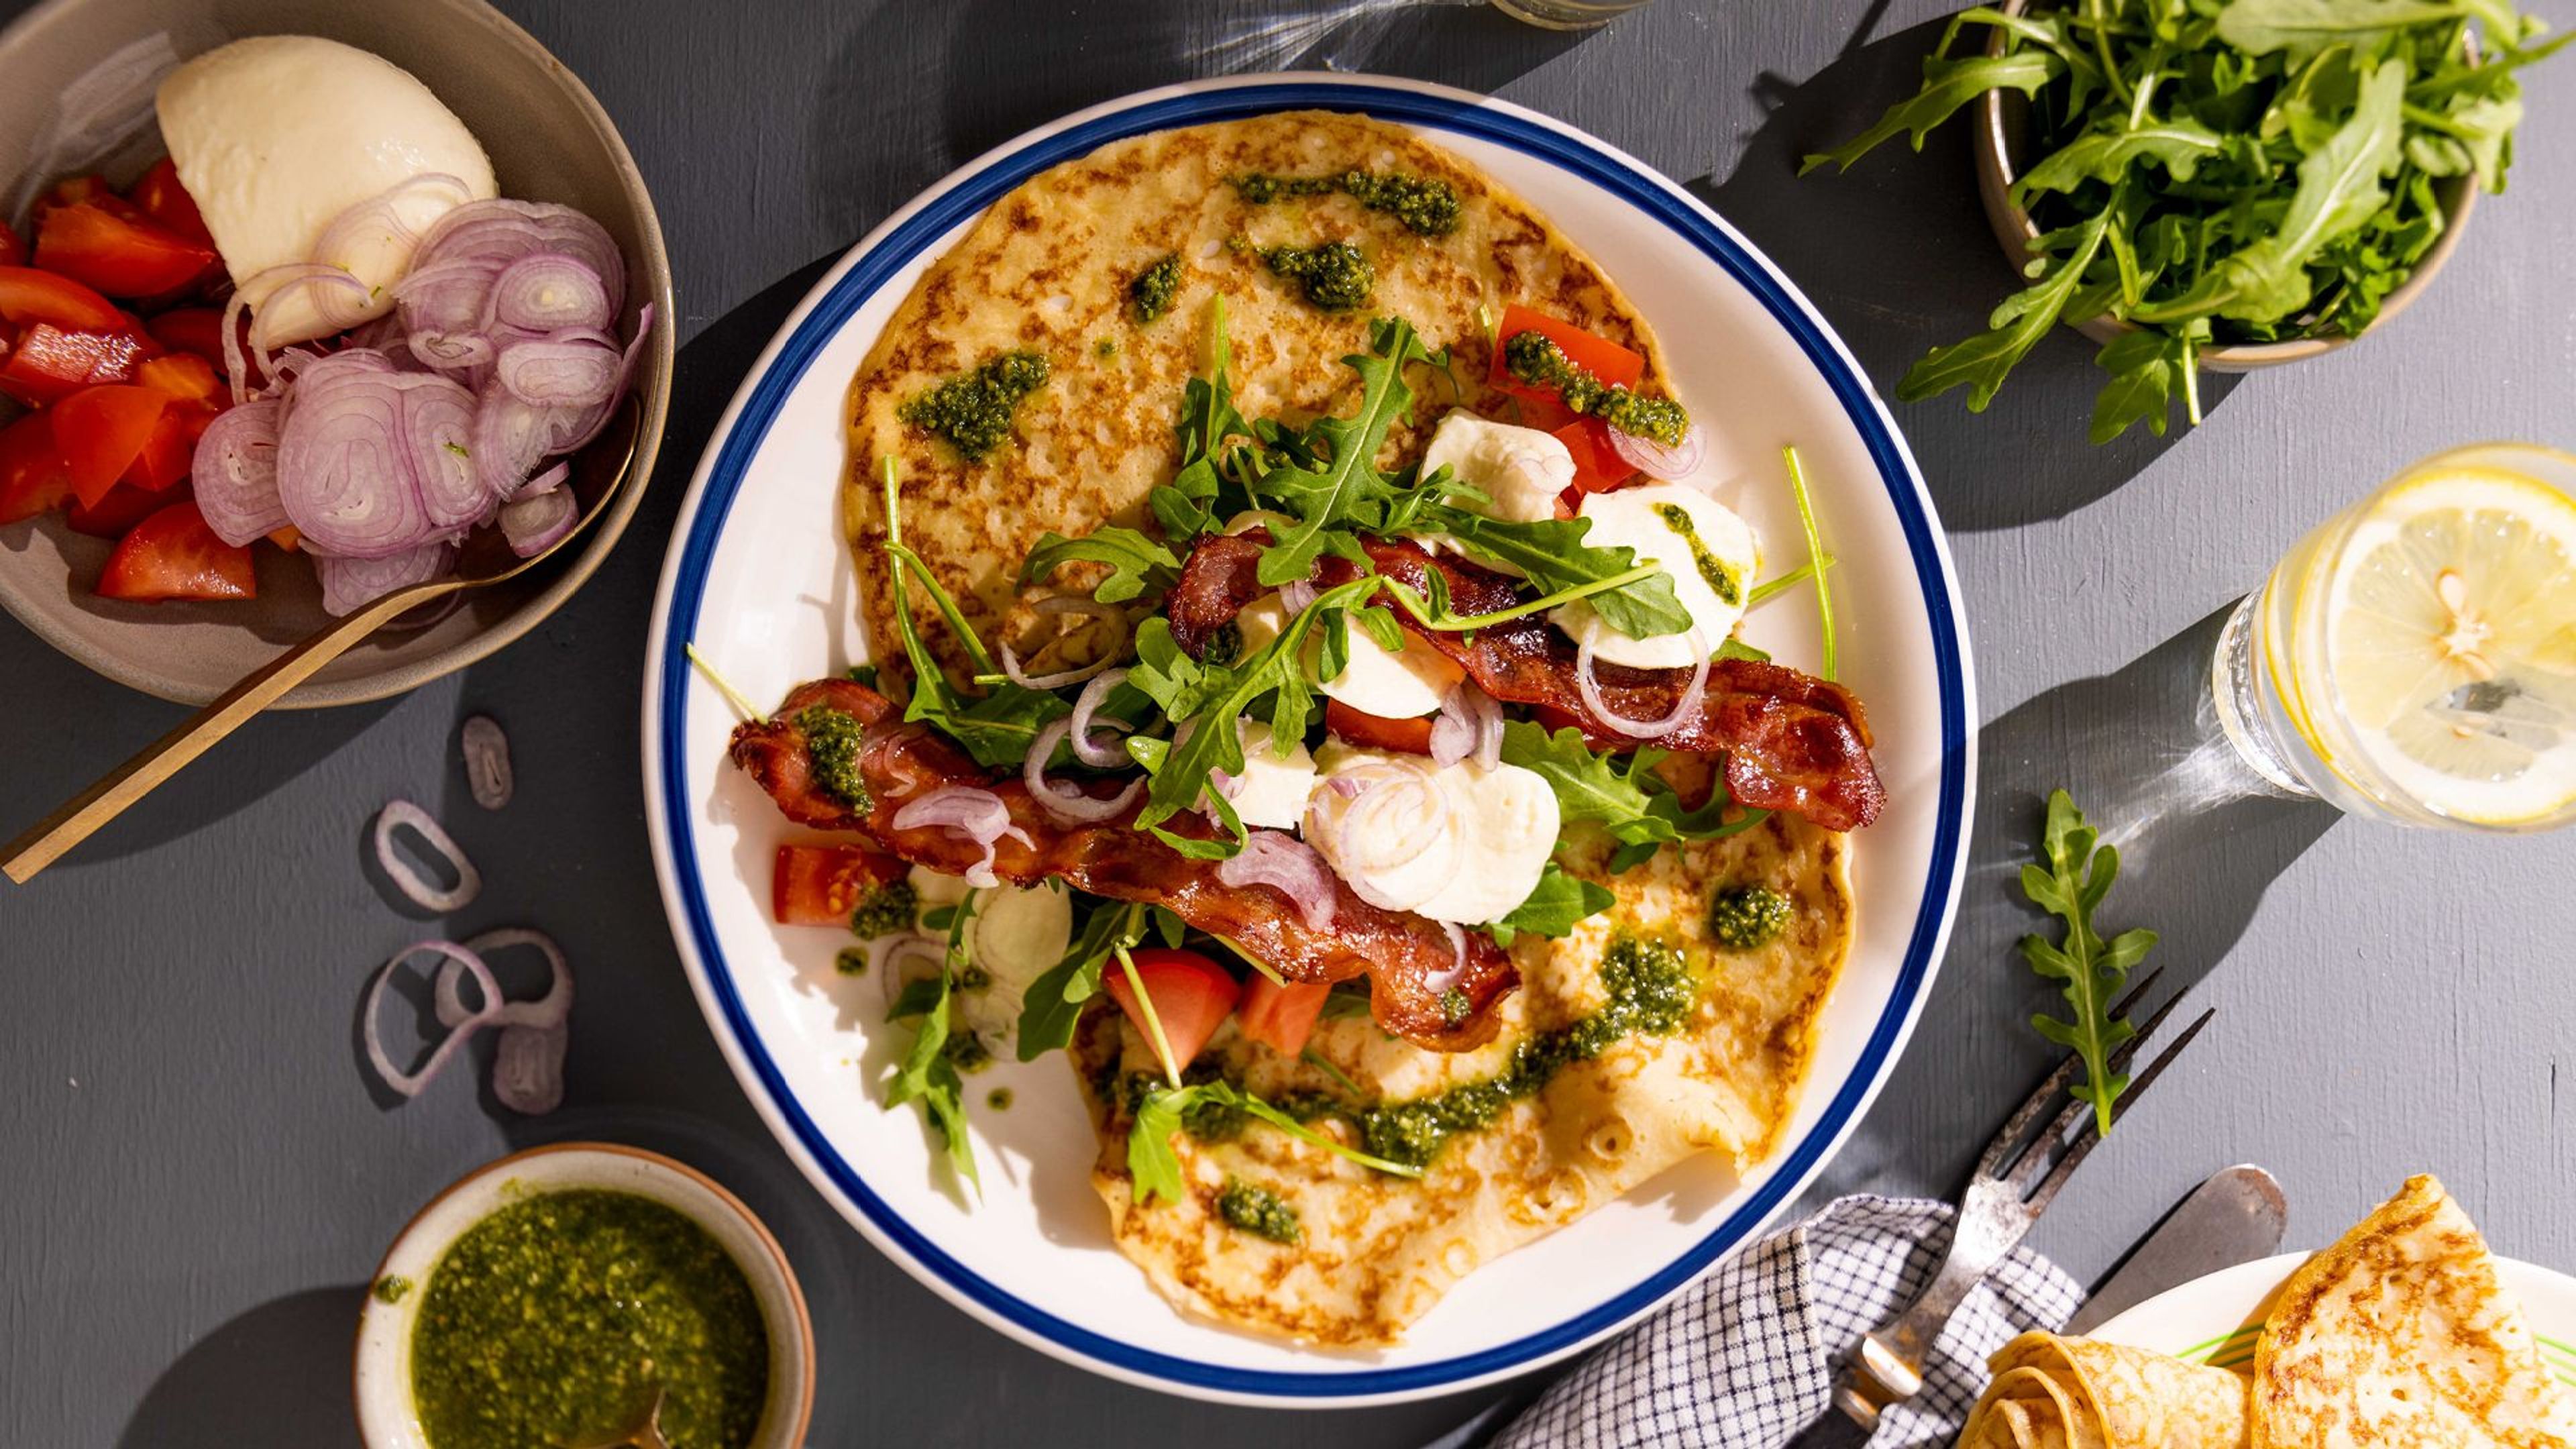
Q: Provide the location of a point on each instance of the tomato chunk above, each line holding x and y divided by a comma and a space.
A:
1192, 996
101, 431
49, 364
183, 378
120, 255
1614, 365
1281, 1017
33, 479
13, 252
174, 555
29, 295
819, 885
1376, 731
160, 196
124, 506
199, 332
1598, 468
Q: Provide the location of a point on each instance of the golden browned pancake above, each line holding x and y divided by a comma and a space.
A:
1378, 1251
1047, 270
2056, 1393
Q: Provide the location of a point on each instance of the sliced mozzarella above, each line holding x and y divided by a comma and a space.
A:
1454, 843
1712, 560
1015, 935
1521, 470
1272, 790
935, 888
1397, 684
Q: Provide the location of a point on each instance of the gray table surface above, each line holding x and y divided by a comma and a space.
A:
199, 1173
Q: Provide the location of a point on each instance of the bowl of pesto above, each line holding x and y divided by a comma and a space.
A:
552, 1296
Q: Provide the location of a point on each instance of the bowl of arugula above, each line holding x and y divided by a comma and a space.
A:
2215, 187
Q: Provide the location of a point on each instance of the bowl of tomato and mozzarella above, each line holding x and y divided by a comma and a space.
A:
212, 200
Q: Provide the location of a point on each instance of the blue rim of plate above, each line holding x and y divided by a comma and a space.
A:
967, 195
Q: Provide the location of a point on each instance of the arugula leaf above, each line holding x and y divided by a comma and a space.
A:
2069, 882
2146, 369
1982, 362
1554, 908
2176, 145
1156, 1168
1054, 1000
1136, 563
999, 727
1948, 84
1552, 554
927, 1076
2305, 27
1632, 806
1334, 492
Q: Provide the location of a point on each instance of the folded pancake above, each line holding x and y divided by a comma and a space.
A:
1374, 1252
2401, 1336
2079, 1393
1047, 270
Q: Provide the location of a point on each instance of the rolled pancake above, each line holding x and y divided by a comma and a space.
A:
1047, 270
2401, 1336
2081, 1393
1379, 1251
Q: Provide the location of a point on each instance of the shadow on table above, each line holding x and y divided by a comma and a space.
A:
2200, 839
1897, 255
278, 1374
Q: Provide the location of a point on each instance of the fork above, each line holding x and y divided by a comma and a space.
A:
2015, 1181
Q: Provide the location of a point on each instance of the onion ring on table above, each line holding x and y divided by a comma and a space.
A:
399, 812
459, 1032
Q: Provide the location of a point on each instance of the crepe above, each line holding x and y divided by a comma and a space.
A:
2077, 1393
1379, 1251
2399, 1336
1047, 269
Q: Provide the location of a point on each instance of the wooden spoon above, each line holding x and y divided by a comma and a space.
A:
644, 1432
597, 476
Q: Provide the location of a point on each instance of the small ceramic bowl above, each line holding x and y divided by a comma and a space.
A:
2002, 124
382, 1378
549, 141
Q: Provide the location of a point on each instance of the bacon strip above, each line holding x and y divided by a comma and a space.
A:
1787, 740
1410, 961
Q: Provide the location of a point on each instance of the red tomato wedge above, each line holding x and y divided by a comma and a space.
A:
101, 431
1191, 996
174, 555
1281, 1017
13, 252
169, 449
49, 364
819, 885
124, 506
1598, 468
1376, 731
160, 196
199, 331
33, 479
1614, 365
29, 295
184, 378
120, 255
74, 191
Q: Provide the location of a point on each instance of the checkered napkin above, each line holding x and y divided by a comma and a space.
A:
1746, 1359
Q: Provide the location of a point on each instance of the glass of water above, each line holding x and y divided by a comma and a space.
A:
2413, 659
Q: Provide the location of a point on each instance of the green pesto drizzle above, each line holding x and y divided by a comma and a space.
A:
390, 1288
1150, 292
999, 1099
1427, 205
1258, 1211
1534, 358
832, 750
1721, 579
1334, 275
973, 410
850, 961
1748, 917
889, 907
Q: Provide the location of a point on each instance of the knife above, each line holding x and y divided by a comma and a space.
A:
2237, 1216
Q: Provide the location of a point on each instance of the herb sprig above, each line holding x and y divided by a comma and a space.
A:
2070, 879
1156, 1168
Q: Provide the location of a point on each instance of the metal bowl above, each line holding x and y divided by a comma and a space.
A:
549, 141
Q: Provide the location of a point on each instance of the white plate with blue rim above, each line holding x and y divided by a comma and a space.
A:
758, 580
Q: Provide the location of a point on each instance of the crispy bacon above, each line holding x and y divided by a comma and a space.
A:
1786, 740
1411, 962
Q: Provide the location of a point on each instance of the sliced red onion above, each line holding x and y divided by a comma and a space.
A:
574, 369
969, 813
234, 473
460, 1031
540, 521
543, 291
374, 232
1656, 460
437, 423
399, 812
1389, 797
527, 1069
487, 761
1470, 724
545, 482
1063, 799
1683, 708
887, 954
339, 299
1440, 981
1062, 679
1297, 596
350, 584
346, 471
1278, 859
1086, 748
501, 231
577, 434
545, 1013
1488, 753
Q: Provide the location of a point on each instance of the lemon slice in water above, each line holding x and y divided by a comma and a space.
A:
2451, 641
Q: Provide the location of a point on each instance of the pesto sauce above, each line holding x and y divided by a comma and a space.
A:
1151, 292
553, 1320
832, 742
1258, 1211
1748, 917
1335, 276
999, 1099
1534, 358
973, 410
1721, 579
966, 1052
889, 907
1427, 205
390, 1288
850, 961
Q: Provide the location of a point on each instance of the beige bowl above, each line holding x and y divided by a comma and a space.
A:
381, 1372
549, 141
2001, 122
